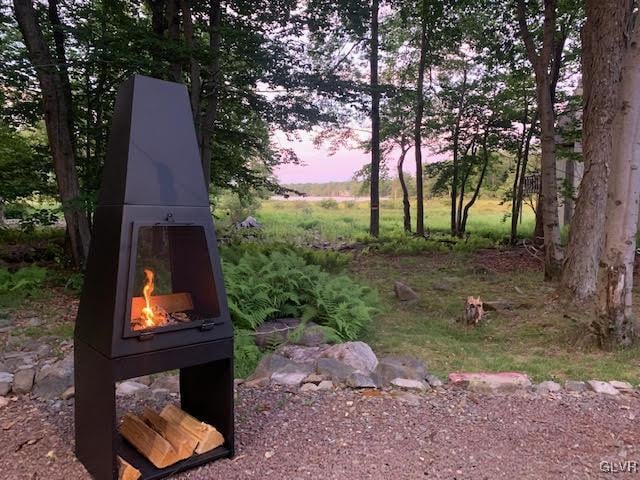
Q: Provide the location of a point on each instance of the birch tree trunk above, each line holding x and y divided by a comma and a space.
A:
374, 224
603, 40
57, 113
614, 324
417, 128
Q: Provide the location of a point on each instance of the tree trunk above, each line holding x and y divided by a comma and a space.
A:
476, 192
516, 208
194, 65
456, 143
173, 21
417, 129
211, 111
56, 115
614, 324
546, 65
374, 225
406, 206
603, 39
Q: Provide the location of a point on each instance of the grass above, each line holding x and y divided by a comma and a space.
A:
535, 337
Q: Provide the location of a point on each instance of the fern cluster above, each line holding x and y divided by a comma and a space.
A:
282, 283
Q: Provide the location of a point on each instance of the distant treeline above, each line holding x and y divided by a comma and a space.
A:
351, 188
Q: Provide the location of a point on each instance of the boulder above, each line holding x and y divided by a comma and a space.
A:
325, 385
575, 386
404, 293
302, 354
23, 380
53, 379
360, 380
166, 382
548, 387
357, 355
624, 387
409, 384
334, 369
268, 365
434, 381
400, 367
16, 360
602, 387
292, 374
308, 387
129, 387
491, 382
6, 380
314, 378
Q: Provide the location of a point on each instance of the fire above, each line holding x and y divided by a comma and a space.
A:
147, 311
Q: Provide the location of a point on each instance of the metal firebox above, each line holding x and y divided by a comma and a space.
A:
153, 297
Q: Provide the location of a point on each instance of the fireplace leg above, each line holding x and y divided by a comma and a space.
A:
95, 412
206, 392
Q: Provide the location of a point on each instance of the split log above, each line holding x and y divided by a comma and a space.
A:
208, 437
183, 441
171, 303
126, 471
148, 442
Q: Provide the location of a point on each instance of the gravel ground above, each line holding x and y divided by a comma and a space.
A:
449, 434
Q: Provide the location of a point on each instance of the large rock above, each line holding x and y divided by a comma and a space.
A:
548, 387
302, 354
575, 386
334, 369
292, 374
171, 383
6, 380
624, 387
433, 380
357, 355
602, 387
268, 365
491, 382
129, 387
400, 367
360, 380
404, 293
53, 379
409, 384
289, 330
16, 360
23, 380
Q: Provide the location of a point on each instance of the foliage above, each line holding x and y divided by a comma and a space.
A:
329, 204
262, 286
246, 354
23, 283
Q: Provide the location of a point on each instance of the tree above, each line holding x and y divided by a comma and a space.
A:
58, 120
374, 223
604, 37
614, 325
417, 129
545, 60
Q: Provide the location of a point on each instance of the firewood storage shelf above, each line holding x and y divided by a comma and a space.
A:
206, 391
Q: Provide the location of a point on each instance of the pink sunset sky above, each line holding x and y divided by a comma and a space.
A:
319, 165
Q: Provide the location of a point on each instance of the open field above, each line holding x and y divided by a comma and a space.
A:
303, 220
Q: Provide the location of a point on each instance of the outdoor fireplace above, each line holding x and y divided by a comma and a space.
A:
153, 297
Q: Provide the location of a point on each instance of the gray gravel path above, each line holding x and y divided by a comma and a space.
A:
450, 434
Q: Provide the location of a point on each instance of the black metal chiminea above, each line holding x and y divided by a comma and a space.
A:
153, 297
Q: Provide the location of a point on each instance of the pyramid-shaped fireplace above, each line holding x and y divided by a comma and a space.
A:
153, 298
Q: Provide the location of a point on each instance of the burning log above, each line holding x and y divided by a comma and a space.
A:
126, 471
208, 437
148, 442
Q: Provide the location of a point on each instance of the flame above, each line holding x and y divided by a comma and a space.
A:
147, 311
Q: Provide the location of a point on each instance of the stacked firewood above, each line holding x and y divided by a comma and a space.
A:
167, 437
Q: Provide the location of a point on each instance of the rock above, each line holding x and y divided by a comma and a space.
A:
357, 355
314, 378
166, 382
3, 367
602, 387
53, 379
23, 380
16, 360
575, 386
6, 380
4, 401
360, 380
145, 380
409, 384
257, 383
302, 354
308, 387
434, 381
68, 393
325, 385
548, 387
624, 387
404, 293
490, 382
289, 330
268, 365
160, 393
400, 367
292, 374
334, 369
406, 397
129, 387
249, 222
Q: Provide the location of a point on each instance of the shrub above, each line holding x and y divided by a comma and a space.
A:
26, 282
263, 286
329, 204
246, 354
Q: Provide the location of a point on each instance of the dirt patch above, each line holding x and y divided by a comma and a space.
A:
508, 260
344, 434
